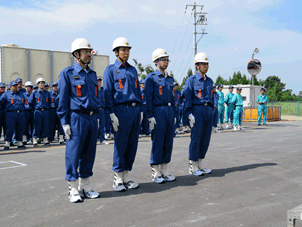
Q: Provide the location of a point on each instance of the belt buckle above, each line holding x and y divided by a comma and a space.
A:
91, 112
169, 104
206, 104
133, 104
17, 111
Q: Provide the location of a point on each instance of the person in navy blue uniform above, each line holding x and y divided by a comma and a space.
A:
215, 110
145, 123
178, 102
123, 99
13, 103
54, 120
46, 87
20, 83
2, 111
78, 111
184, 120
161, 110
35, 88
101, 117
29, 114
198, 109
40, 101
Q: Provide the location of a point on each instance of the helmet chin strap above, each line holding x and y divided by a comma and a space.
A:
161, 67
79, 52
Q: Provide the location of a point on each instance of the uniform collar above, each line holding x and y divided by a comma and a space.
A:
158, 73
78, 68
199, 77
119, 64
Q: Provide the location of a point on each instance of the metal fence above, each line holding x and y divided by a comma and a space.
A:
288, 107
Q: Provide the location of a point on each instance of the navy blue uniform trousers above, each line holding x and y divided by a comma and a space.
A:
81, 148
126, 138
201, 132
41, 124
162, 135
15, 122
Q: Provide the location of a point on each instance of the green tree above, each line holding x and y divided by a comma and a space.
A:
189, 73
143, 71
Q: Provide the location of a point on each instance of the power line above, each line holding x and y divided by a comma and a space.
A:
181, 44
187, 64
184, 54
178, 32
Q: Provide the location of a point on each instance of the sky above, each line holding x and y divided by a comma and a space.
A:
235, 28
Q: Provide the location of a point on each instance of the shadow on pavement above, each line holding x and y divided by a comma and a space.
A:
187, 180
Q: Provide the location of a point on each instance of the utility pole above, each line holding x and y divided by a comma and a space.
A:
201, 21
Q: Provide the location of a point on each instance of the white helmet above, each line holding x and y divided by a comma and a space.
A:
79, 44
201, 57
159, 53
39, 80
28, 83
120, 42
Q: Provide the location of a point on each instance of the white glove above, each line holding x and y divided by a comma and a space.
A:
67, 131
142, 116
192, 120
114, 121
174, 120
152, 122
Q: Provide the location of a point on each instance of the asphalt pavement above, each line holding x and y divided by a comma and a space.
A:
256, 178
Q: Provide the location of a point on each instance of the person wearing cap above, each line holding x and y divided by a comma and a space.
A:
2, 111
54, 120
13, 103
229, 108
199, 108
238, 109
124, 100
35, 88
220, 106
161, 110
29, 114
262, 109
20, 83
145, 123
177, 107
46, 87
215, 110
40, 101
78, 111
101, 117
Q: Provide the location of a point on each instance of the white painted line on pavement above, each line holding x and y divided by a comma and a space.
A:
19, 165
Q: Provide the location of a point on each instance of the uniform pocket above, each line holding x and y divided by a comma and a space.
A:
78, 88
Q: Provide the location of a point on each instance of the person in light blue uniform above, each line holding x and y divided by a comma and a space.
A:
177, 107
220, 106
78, 111
238, 111
29, 114
20, 83
199, 109
2, 111
13, 103
101, 117
40, 101
161, 110
145, 129
262, 100
54, 120
124, 100
215, 110
229, 108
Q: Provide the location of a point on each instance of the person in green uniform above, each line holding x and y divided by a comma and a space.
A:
238, 109
229, 108
262, 109
220, 106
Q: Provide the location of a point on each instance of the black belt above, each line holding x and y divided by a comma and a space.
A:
42, 109
54, 108
204, 104
164, 104
129, 103
87, 112
29, 111
17, 111
215, 106
239, 105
